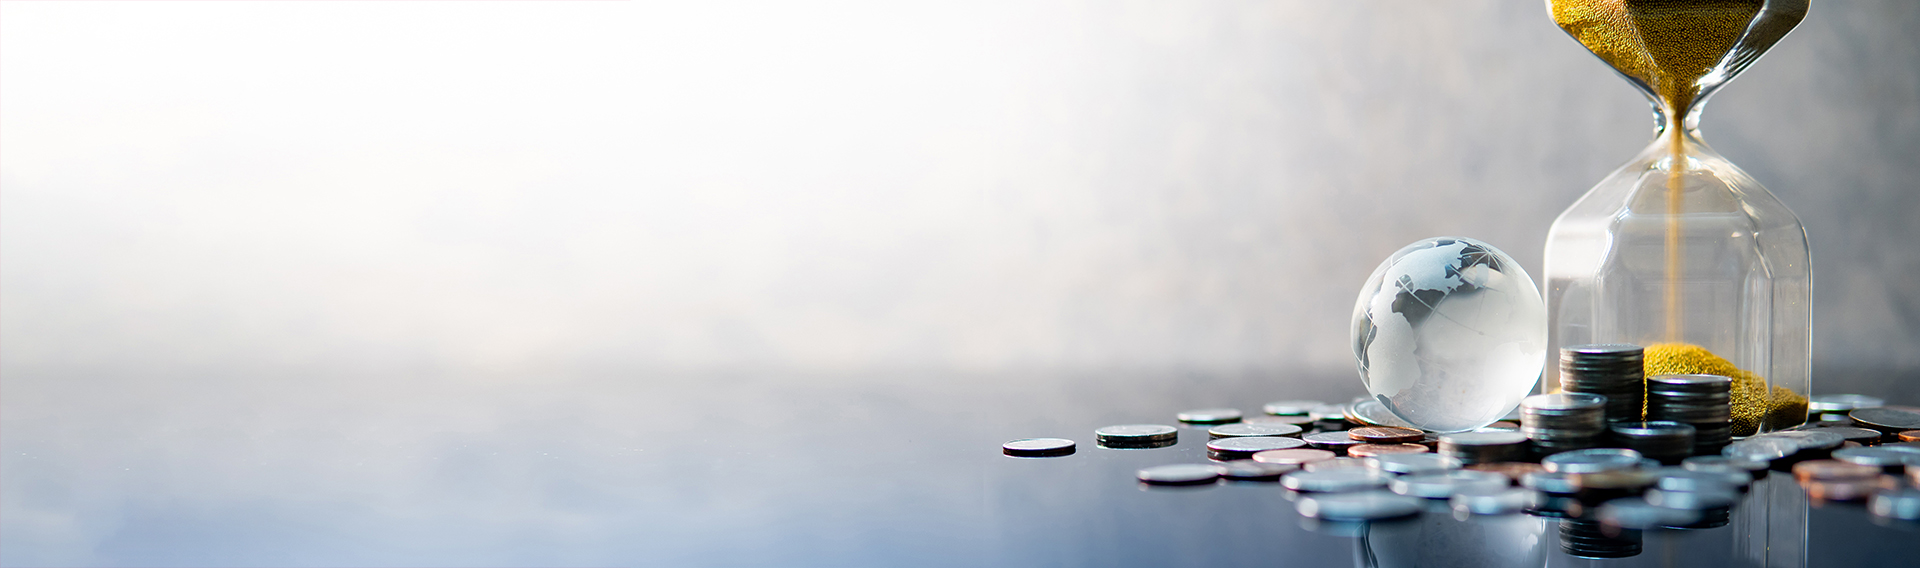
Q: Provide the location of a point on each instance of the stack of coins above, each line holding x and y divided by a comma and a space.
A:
1666, 441
1612, 370
1560, 422
1702, 401
1484, 447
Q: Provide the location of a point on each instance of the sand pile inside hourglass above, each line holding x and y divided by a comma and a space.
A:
1678, 49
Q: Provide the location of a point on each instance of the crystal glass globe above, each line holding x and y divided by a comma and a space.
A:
1449, 333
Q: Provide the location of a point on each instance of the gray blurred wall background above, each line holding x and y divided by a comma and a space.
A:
493, 191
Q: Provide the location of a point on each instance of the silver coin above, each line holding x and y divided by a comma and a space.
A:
1562, 402
1291, 407
1241, 430
1592, 460
1808, 439
1865, 436
1483, 438
1878, 457
1411, 463
1038, 447
1335, 480
1372, 413
1179, 474
1492, 501
1761, 449
1249, 470
1335, 463
1440, 485
1245, 447
1336, 442
1842, 402
1550, 482
1887, 419
1696, 500
1682, 479
1637, 513
1209, 416
1754, 469
1358, 506
1136, 433
1903, 504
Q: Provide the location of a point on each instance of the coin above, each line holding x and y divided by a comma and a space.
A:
1842, 402
1411, 462
1335, 463
1502, 425
1441, 484
1637, 513
1358, 506
1209, 416
1761, 449
1248, 470
1371, 450
1681, 479
1372, 413
1335, 480
1910, 436
1550, 482
1291, 407
1887, 458
1903, 504
1592, 460
1843, 489
1615, 480
1480, 500
1833, 470
1301, 420
1136, 434
1808, 440
1038, 447
1386, 435
1296, 456
1698, 500
1179, 474
1865, 436
1245, 447
1887, 418
1336, 442
1513, 470
1755, 469
1243, 430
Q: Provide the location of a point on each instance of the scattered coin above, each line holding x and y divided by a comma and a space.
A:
1242, 430
1411, 463
1887, 419
1761, 449
1386, 435
1180, 474
1513, 470
1550, 482
1903, 504
1136, 434
1296, 456
1697, 500
1592, 460
1864, 436
1358, 506
1910, 436
1209, 416
1616, 480
1248, 470
1442, 484
1682, 479
1335, 480
1291, 407
1335, 463
1245, 447
1888, 459
1336, 442
1485, 500
1833, 470
1503, 425
1300, 420
1371, 450
1842, 402
1637, 513
1845, 489
1755, 469
1809, 440
1038, 447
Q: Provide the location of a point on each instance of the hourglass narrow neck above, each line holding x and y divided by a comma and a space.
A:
1688, 122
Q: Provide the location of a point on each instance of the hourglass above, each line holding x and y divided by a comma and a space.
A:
1679, 250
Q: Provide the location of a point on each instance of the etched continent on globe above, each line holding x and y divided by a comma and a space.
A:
1449, 334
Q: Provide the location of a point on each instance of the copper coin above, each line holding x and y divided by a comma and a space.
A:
1848, 490
1833, 470
1514, 470
1295, 456
1910, 436
1386, 435
1371, 450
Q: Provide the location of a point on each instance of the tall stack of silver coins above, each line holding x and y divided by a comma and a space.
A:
1561, 422
1703, 401
1612, 370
